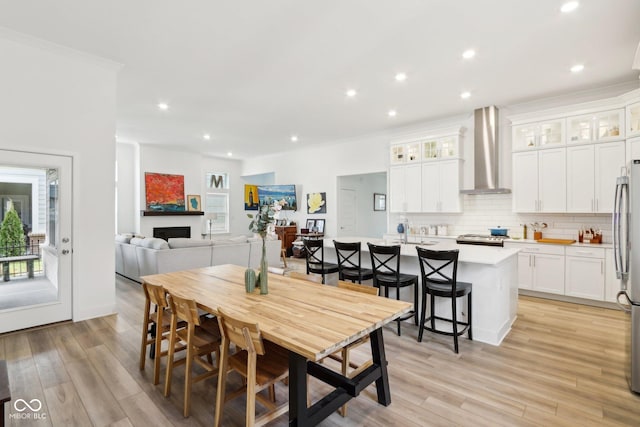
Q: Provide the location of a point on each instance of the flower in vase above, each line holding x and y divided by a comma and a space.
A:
262, 221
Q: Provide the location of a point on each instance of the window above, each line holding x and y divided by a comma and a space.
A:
217, 213
216, 203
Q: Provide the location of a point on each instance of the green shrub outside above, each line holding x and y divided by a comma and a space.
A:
11, 234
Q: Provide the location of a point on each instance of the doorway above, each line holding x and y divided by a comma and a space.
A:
356, 214
35, 273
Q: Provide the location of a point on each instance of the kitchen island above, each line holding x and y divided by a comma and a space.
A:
492, 271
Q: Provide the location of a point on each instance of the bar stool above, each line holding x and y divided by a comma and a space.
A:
201, 337
385, 262
439, 279
315, 258
155, 326
348, 268
261, 363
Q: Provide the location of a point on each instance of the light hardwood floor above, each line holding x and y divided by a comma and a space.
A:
562, 364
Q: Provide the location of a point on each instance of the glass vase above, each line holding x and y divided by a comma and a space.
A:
264, 276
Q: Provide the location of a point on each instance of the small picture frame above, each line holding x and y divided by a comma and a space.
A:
320, 226
193, 202
379, 202
311, 223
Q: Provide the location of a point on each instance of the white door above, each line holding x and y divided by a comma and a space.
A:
347, 213
396, 189
45, 298
413, 188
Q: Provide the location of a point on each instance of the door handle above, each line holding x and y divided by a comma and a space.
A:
65, 240
65, 251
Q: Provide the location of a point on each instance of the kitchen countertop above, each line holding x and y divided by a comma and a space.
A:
488, 255
418, 238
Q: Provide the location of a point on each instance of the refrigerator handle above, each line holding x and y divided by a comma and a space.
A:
615, 228
625, 307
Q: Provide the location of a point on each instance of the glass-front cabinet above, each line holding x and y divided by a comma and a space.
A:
438, 148
633, 120
545, 134
602, 126
405, 153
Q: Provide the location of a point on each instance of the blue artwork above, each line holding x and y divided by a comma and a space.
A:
267, 194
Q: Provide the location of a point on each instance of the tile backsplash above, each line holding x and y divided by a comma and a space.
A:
481, 212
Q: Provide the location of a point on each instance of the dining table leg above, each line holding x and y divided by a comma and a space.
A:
379, 358
298, 413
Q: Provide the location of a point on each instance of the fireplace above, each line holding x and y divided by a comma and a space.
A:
168, 232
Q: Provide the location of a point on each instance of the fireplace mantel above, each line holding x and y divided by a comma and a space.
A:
162, 213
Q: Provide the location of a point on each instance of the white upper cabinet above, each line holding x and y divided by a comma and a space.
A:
424, 173
591, 176
543, 134
405, 188
633, 120
441, 186
596, 127
539, 181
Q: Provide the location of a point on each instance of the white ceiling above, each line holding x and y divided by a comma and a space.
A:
252, 73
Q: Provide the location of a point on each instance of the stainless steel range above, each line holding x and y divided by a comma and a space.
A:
480, 239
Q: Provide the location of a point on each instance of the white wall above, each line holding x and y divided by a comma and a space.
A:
134, 160
57, 101
368, 222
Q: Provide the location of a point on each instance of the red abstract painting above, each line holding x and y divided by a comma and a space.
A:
164, 192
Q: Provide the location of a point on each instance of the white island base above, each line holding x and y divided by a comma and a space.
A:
491, 270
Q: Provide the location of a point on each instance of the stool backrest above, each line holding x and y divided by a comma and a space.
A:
155, 294
244, 335
370, 290
439, 267
184, 309
348, 255
315, 252
385, 260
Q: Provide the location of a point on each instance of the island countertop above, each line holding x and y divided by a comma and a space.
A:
476, 254
491, 270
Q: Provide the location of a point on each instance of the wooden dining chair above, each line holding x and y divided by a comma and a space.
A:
156, 325
260, 363
201, 336
309, 277
343, 356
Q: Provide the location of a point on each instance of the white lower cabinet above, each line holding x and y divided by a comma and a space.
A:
541, 268
585, 272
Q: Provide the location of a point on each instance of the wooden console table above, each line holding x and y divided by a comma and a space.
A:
287, 234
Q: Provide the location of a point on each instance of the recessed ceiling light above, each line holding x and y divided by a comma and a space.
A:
294, 138
206, 136
163, 106
577, 68
468, 54
351, 93
392, 113
229, 154
569, 6
465, 95
401, 77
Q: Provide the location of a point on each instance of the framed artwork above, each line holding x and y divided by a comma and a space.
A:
320, 226
251, 198
193, 202
311, 223
317, 203
379, 202
164, 192
267, 194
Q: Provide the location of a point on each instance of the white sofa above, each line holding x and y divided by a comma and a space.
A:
136, 257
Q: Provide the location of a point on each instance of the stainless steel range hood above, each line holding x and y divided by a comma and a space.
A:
487, 153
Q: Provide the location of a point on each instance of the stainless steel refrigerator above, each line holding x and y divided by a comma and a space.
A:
626, 233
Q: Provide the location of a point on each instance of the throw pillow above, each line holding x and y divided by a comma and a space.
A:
183, 242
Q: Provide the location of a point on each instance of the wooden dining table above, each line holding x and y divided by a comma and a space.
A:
311, 320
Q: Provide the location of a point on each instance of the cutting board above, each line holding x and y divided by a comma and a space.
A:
557, 241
